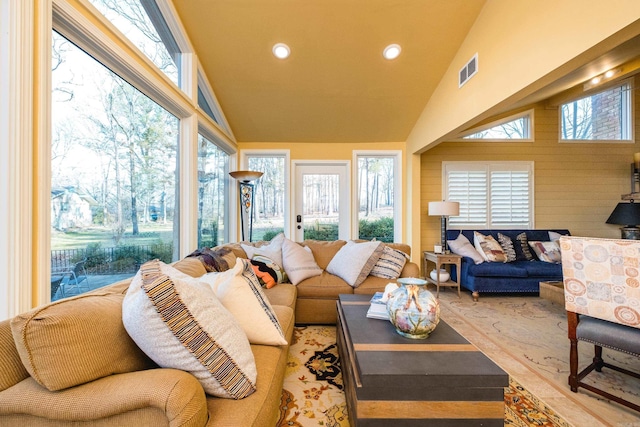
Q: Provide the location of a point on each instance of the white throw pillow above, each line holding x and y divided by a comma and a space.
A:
239, 290
179, 323
299, 263
273, 250
354, 261
462, 246
390, 263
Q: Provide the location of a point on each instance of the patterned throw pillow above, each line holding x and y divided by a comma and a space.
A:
354, 261
390, 264
240, 292
268, 272
547, 251
488, 247
179, 323
507, 246
219, 259
523, 253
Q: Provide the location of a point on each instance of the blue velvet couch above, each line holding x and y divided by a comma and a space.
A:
517, 276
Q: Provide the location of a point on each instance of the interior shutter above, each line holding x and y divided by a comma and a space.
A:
509, 199
470, 189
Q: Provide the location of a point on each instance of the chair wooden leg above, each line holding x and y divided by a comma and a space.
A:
573, 365
597, 359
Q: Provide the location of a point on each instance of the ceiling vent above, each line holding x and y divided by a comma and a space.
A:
469, 70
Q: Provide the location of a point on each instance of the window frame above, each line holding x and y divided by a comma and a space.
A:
397, 190
530, 114
630, 118
488, 167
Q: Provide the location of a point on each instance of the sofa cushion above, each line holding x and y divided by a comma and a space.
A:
324, 286
178, 322
488, 247
240, 292
463, 247
547, 251
497, 269
324, 251
283, 294
507, 247
542, 269
390, 263
354, 261
299, 262
191, 266
54, 341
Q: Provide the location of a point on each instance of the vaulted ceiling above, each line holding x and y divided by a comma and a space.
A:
336, 86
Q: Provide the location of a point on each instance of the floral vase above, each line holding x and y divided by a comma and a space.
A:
413, 310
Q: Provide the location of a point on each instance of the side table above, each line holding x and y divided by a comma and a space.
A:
440, 260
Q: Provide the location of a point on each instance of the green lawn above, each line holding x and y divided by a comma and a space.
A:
79, 239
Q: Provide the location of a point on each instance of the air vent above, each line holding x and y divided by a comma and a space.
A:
468, 71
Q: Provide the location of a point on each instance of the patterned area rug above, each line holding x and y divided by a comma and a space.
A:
312, 394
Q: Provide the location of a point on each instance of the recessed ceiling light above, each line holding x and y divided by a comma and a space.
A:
392, 51
281, 50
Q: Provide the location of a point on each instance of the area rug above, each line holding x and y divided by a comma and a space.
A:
313, 390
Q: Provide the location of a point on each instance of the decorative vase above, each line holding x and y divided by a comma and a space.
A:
412, 309
444, 275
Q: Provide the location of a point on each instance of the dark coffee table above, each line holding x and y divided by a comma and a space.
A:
391, 380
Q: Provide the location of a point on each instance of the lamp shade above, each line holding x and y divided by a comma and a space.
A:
245, 176
444, 208
625, 214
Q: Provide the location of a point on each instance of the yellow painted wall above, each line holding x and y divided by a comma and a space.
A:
577, 185
521, 46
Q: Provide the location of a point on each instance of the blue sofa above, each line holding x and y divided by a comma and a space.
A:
517, 276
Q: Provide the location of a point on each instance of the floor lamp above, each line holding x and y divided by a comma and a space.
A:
246, 188
444, 209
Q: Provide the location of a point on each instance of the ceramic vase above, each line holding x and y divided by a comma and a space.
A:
444, 275
413, 310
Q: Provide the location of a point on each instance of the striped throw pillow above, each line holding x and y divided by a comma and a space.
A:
507, 247
390, 264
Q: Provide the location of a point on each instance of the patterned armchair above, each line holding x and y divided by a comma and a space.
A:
602, 299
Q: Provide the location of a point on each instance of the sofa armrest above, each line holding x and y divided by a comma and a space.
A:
410, 269
13, 371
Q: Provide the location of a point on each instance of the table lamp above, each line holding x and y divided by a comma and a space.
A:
444, 209
627, 215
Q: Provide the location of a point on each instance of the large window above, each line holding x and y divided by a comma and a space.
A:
516, 127
143, 24
377, 193
604, 116
114, 175
269, 194
213, 181
491, 195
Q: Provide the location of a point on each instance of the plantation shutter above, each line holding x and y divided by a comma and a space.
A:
491, 195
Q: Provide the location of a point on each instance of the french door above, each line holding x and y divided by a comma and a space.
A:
321, 208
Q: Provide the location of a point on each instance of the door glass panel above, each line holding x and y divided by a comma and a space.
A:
114, 175
320, 206
269, 196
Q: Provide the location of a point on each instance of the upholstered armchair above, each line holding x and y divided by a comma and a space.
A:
602, 299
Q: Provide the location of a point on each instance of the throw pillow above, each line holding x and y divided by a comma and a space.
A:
218, 259
523, 253
354, 261
507, 246
179, 323
268, 272
390, 263
488, 247
273, 250
547, 251
462, 246
299, 263
240, 292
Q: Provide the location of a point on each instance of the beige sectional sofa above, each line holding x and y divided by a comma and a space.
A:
80, 345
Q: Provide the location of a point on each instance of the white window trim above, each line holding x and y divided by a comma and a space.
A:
244, 164
212, 100
503, 165
528, 113
397, 190
595, 91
